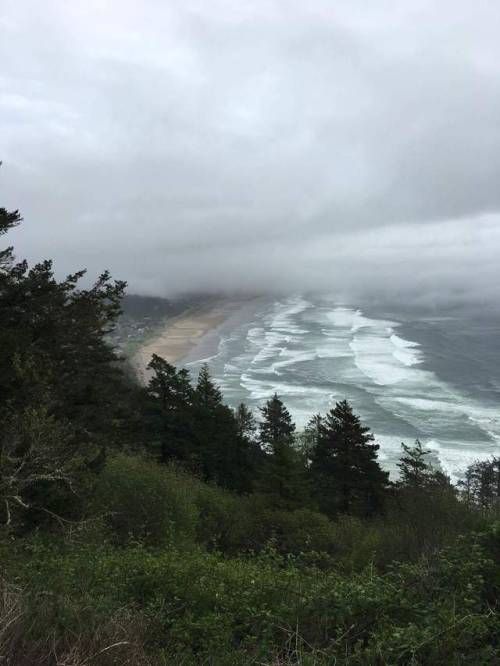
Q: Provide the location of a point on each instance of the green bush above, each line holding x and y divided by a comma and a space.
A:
302, 531
230, 523
201, 608
235, 524
142, 501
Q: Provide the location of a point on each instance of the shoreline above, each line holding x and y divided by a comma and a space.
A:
181, 334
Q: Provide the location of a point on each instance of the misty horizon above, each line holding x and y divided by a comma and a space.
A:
262, 147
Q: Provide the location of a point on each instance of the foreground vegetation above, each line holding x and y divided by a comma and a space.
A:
158, 526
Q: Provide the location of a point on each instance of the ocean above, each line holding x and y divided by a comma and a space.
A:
408, 373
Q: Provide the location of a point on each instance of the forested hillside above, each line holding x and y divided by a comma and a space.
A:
156, 525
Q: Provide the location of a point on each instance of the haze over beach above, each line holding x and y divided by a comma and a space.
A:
343, 163
175, 339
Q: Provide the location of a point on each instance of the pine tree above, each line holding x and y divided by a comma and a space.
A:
207, 394
210, 425
283, 477
277, 428
344, 469
417, 474
58, 324
247, 425
64, 398
311, 435
481, 484
8, 220
414, 470
172, 395
223, 455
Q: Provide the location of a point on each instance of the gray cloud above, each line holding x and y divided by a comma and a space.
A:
252, 145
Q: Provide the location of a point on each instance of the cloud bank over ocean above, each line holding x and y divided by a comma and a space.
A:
263, 145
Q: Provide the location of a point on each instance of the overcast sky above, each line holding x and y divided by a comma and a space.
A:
352, 146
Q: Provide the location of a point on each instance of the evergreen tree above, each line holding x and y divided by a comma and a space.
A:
44, 463
63, 397
344, 469
247, 425
416, 474
413, 468
248, 441
223, 455
283, 476
207, 394
311, 436
276, 428
172, 395
57, 324
481, 484
8, 220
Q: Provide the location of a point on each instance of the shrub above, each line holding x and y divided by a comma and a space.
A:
302, 531
230, 523
145, 502
201, 608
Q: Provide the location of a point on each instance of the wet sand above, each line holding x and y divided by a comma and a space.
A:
180, 334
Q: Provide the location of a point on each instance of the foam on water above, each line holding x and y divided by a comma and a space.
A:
283, 316
350, 319
375, 357
313, 353
264, 389
453, 458
486, 418
406, 351
291, 357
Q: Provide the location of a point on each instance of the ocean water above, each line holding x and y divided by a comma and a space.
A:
408, 374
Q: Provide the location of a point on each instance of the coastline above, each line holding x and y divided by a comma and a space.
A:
181, 334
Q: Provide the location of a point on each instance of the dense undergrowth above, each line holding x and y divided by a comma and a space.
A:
169, 570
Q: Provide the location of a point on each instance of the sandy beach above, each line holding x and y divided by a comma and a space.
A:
180, 334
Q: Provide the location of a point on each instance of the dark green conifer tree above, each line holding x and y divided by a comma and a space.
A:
224, 456
249, 441
208, 395
171, 393
311, 435
283, 475
247, 424
62, 393
417, 474
345, 472
481, 484
413, 468
8, 220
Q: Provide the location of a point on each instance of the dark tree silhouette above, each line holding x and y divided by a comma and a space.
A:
344, 469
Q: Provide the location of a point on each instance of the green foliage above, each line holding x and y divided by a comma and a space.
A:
225, 457
171, 397
41, 470
207, 394
247, 425
140, 501
8, 220
346, 475
302, 531
195, 429
481, 484
283, 476
413, 468
63, 399
201, 608
228, 523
